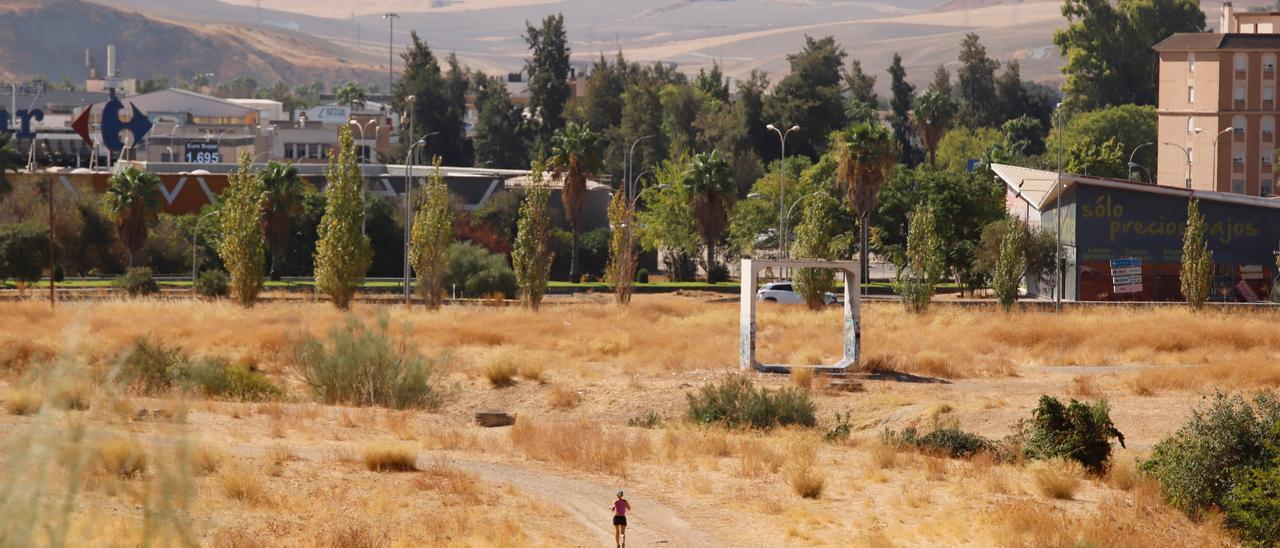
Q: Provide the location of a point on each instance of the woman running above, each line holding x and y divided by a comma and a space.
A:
620, 508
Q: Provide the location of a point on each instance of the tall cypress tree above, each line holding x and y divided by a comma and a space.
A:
343, 253
548, 71
499, 127
977, 84
901, 102
439, 103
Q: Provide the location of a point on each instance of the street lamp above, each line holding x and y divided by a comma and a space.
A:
1057, 217
1187, 154
408, 209
782, 186
195, 231
626, 168
793, 206
1131, 155
391, 37
1215, 159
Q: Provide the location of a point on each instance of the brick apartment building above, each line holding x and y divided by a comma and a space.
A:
1217, 111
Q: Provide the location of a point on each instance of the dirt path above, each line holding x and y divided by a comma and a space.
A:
650, 523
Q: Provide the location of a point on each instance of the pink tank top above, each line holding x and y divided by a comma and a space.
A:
620, 507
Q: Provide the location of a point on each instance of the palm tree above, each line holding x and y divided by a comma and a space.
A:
9, 161
710, 182
576, 153
350, 94
866, 153
132, 202
285, 191
933, 113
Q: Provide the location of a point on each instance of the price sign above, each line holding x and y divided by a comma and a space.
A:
203, 153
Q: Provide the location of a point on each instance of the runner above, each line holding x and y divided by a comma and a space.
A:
620, 508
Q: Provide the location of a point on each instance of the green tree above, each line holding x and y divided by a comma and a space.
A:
1009, 267
977, 90
24, 252
901, 104
439, 104
866, 155
750, 103
548, 70
432, 235
679, 112
753, 223
1105, 159
712, 83
1107, 47
499, 140
9, 161
667, 222
861, 86
710, 183
350, 94
620, 272
925, 261
1012, 98
642, 120
532, 254
285, 193
1197, 260
962, 145
243, 248
1023, 136
820, 235
343, 254
941, 83
1130, 125
575, 156
932, 116
810, 97
132, 201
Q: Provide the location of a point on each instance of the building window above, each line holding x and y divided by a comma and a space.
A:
1191, 62
1191, 94
1268, 64
1238, 95
1191, 125
1268, 128
1242, 66
1237, 186
1268, 97
1266, 157
1268, 188
1237, 160
1238, 126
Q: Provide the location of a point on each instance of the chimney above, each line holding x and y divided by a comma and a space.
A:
111, 61
88, 64
1229, 25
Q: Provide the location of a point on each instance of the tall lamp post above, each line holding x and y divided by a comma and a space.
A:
1186, 154
1215, 160
782, 188
1057, 218
796, 203
391, 39
626, 168
1132, 154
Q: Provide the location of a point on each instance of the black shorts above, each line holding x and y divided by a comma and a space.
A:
620, 520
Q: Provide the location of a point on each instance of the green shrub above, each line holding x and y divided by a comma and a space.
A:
1253, 508
952, 442
212, 284
737, 402
843, 427
648, 419
217, 378
149, 366
24, 252
1078, 431
717, 273
475, 272
138, 282
366, 365
642, 276
1200, 464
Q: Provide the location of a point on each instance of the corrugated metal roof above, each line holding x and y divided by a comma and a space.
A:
181, 100
1038, 188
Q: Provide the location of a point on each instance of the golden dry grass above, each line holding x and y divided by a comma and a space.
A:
23, 401
563, 398
206, 459
1057, 478
385, 457
121, 457
242, 484
582, 444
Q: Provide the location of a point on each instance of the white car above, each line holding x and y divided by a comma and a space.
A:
785, 293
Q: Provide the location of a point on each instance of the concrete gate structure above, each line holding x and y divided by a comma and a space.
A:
852, 313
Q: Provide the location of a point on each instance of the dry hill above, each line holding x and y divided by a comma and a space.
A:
48, 38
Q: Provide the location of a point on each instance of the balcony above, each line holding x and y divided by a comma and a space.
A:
1238, 135
1269, 71
1241, 74
1266, 166
1237, 165
1238, 104
1268, 104
1268, 135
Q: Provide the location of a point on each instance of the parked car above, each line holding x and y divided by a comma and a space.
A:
785, 293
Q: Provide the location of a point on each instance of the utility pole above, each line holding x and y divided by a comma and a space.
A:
391, 39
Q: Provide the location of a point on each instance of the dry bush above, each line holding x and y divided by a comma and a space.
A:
350, 535
463, 487
206, 459
279, 453
807, 480
240, 483
584, 445
1123, 474
935, 469
1084, 386
121, 457
501, 371
882, 456
1057, 478
18, 354
23, 401
758, 458
385, 457
534, 371
802, 377
562, 397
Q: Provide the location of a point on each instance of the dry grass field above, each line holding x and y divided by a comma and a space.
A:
600, 397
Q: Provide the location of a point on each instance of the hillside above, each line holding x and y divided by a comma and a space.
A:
48, 38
